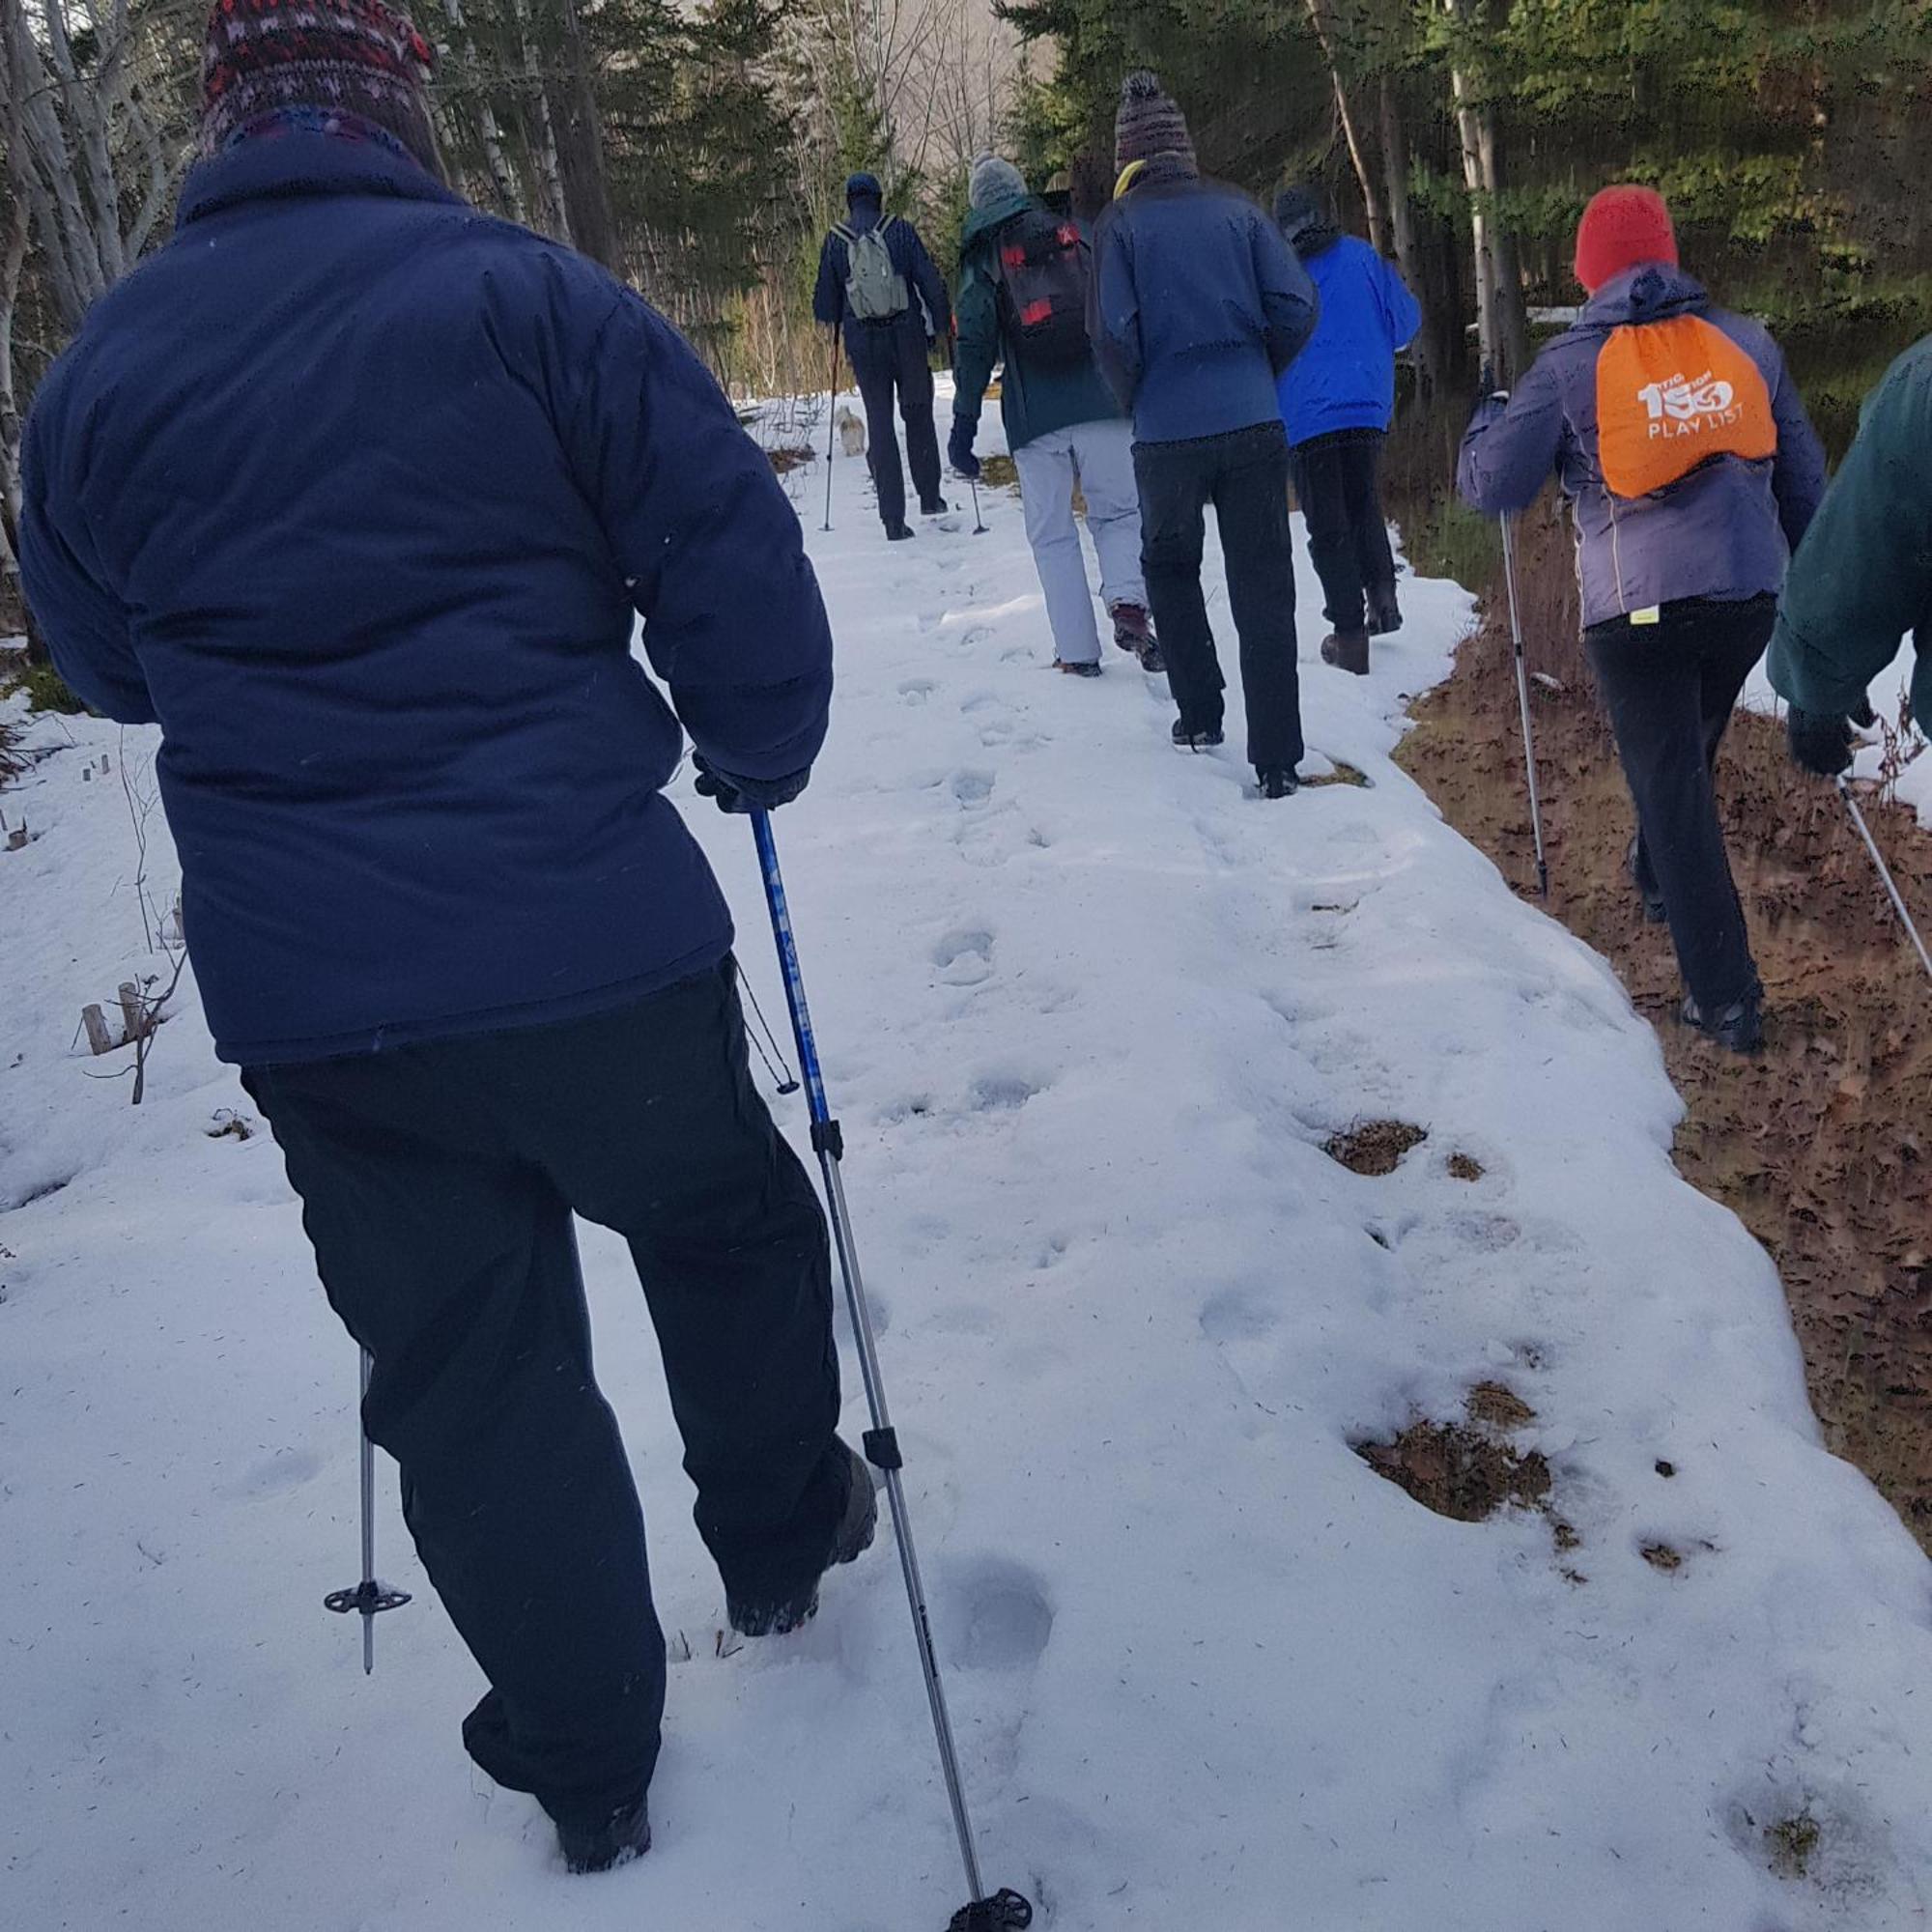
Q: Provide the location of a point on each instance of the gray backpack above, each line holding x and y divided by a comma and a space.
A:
874, 290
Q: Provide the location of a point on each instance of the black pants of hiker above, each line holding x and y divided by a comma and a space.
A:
1670, 689
890, 358
437, 1183
1338, 484
1244, 475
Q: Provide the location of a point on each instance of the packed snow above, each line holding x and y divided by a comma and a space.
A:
1090, 1010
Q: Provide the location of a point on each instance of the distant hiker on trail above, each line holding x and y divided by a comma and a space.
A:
358, 494
1691, 471
1863, 576
1338, 399
1198, 306
877, 284
1023, 294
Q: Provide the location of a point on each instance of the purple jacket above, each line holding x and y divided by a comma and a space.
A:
1725, 531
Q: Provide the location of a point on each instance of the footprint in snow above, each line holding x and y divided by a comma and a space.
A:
972, 787
1239, 1315
1002, 1618
1004, 1093
917, 690
274, 1476
965, 956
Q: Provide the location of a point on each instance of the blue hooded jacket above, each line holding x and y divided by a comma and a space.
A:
1344, 378
1198, 305
361, 494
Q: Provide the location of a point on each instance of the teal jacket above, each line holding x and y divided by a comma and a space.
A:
1034, 402
1863, 576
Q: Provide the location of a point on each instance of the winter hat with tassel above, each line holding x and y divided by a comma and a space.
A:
1148, 123
349, 57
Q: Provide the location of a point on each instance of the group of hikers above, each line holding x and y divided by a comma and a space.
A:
1245, 353
360, 495
1159, 349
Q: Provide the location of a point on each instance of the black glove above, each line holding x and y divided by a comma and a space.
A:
1821, 741
960, 450
746, 795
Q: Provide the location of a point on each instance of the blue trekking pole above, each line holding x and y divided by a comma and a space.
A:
1004, 1911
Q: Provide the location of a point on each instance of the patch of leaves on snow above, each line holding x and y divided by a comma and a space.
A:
1792, 1843
1343, 773
790, 456
1464, 1167
1376, 1147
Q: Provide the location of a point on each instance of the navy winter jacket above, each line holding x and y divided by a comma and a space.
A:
360, 492
1199, 304
925, 284
1344, 378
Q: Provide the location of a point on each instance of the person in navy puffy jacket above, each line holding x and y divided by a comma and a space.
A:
1337, 399
360, 495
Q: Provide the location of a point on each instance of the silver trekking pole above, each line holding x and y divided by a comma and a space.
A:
831, 427
1003, 1911
369, 1598
1885, 874
1522, 701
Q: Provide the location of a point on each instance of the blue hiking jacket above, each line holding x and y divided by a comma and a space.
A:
1725, 531
1344, 378
361, 494
925, 284
1198, 306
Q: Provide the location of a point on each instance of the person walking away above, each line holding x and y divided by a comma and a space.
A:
1338, 400
474, 969
877, 284
1863, 576
1692, 471
1198, 306
1024, 275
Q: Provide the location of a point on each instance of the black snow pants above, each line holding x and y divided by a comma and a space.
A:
1670, 689
1338, 484
1244, 475
437, 1183
890, 358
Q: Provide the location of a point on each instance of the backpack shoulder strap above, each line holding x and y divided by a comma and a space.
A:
845, 233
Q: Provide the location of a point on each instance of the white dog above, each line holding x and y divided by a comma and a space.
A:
851, 430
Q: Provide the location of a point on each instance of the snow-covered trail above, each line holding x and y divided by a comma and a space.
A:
1089, 1011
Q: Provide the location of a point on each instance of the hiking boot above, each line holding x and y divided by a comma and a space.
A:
853, 1538
1185, 740
898, 533
1133, 631
624, 1835
1385, 612
1654, 909
933, 506
1278, 783
1346, 650
1738, 1029
1073, 670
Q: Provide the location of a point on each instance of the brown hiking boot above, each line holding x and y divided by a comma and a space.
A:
1346, 650
1134, 631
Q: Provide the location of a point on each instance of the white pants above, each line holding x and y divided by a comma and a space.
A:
1100, 456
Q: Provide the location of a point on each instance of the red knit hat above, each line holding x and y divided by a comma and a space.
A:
337, 56
1620, 228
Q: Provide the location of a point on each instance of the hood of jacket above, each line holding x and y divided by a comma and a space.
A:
982, 221
1651, 292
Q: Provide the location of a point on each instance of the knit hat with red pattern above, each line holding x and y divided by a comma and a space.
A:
353, 57
1620, 228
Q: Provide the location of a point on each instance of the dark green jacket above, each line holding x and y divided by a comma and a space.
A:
1863, 576
1034, 402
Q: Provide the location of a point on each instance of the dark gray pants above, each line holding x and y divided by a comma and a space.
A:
1337, 483
1670, 689
1244, 475
890, 360
437, 1183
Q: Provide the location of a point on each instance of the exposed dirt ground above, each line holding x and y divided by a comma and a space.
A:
1824, 1147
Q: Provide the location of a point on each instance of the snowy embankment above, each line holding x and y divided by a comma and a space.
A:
1090, 1012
